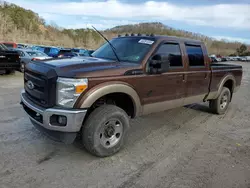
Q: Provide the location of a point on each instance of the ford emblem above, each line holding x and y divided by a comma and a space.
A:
30, 85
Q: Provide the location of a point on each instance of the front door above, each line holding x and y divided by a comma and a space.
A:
166, 90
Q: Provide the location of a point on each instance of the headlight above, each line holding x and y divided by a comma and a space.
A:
68, 90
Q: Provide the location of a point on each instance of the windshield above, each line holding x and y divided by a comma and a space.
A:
128, 49
37, 54
9, 45
3, 47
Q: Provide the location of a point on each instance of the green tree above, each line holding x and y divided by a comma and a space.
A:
241, 50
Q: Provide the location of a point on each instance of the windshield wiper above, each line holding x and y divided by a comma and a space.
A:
112, 47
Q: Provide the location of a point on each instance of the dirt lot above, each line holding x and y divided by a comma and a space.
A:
184, 147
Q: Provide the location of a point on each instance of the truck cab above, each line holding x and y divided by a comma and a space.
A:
127, 77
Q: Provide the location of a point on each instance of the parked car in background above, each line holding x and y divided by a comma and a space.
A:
66, 53
79, 51
88, 52
3, 47
9, 60
21, 45
51, 51
218, 59
10, 44
243, 59
27, 55
39, 48
213, 59
223, 59
25, 46
248, 58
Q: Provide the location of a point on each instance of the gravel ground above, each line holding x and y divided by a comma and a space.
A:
183, 147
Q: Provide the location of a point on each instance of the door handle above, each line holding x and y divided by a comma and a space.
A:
206, 75
184, 77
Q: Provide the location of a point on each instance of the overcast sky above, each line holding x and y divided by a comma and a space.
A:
227, 19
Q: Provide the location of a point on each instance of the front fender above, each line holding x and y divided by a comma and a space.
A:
88, 99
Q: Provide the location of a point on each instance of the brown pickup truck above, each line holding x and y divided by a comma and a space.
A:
131, 76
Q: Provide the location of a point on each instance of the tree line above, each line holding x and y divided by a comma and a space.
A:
24, 26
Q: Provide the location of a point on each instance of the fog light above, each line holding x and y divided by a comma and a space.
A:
58, 120
62, 120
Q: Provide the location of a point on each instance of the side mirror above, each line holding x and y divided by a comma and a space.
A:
158, 64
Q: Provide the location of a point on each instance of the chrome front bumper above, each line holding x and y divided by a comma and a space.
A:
74, 117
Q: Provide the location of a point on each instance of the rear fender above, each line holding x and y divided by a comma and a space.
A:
216, 94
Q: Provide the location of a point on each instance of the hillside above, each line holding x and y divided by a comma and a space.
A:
214, 46
24, 26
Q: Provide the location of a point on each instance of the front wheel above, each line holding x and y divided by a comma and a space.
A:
105, 130
220, 105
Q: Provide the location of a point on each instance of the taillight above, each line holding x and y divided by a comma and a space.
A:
34, 59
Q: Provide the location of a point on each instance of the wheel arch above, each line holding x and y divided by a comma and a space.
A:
228, 81
101, 90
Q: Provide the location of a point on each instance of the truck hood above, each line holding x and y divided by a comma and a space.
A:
79, 67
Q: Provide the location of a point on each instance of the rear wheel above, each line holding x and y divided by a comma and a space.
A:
220, 105
105, 130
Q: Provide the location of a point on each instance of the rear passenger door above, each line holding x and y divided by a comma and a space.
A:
166, 90
198, 73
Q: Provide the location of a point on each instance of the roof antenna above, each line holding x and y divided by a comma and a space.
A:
112, 47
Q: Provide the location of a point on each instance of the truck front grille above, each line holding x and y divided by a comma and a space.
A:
40, 89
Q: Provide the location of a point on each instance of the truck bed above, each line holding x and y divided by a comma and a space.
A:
225, 66
221, 70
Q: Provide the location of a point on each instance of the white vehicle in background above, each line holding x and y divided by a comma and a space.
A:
243, 59
248, 58
218, 59
235, 58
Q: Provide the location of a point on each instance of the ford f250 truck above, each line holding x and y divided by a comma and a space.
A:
127, 77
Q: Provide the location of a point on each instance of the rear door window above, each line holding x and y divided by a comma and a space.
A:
195, 55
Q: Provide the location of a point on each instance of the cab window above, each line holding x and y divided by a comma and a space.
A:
172, 50
195, 55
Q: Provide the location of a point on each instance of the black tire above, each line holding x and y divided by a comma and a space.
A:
22, 67
97, 130
9, 71
220, 105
